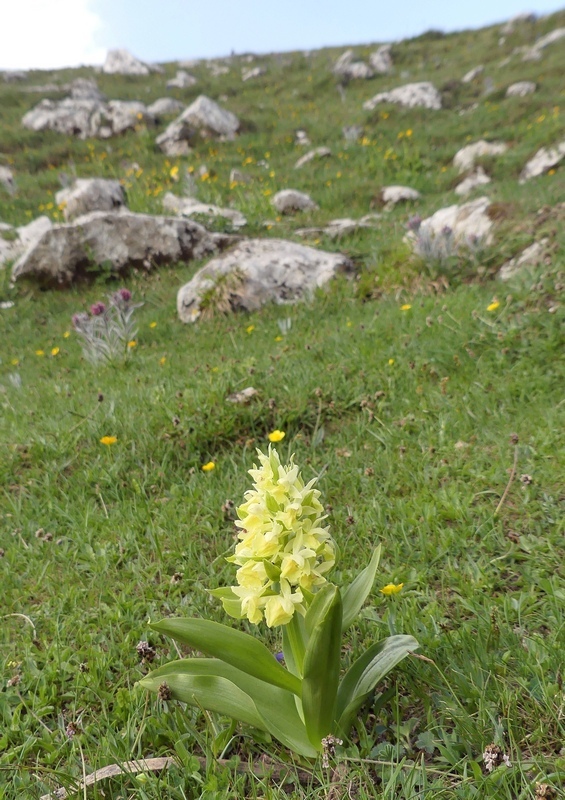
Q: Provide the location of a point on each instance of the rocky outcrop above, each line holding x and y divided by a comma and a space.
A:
203, 117
24, 237
337, 228
465, 158
182, 80
477, 178
7, 180
389, 196
189, 206
289, 200
114, 241
532, 256
381, 60
252, 72
468, 222
90, 194
122, 62
86, 89
411, 95
521, 89
164, 107
86, 118
470, 76
535, 53
256, 272
545, 159
318, 152
349, 69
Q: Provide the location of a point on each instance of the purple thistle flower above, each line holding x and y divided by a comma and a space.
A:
97, 309
125, 294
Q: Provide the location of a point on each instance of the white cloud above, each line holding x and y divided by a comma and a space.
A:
46, 34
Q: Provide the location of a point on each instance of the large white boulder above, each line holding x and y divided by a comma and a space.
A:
256, 272
122, 62
410, 95
288, 200
90, 194
465, 158
546, 158
115, 241
86, 118
209, 118
468, 222
534, 53
189, 206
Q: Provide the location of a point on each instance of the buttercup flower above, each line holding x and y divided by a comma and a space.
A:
132, 343
493, 306
405, 307
391, 588
208, 467
108, 440
284, 552
276, 436
152, 324
40, 352
54, 351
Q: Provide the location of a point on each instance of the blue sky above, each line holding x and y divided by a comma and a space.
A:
56, 33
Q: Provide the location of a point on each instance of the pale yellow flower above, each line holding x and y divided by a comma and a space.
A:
276, 436
391, 588
14, 362
208, 467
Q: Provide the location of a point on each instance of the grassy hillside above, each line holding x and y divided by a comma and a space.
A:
430, 406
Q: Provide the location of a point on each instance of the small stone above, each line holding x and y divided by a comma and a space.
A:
521, 89
411, 95
465, 158
244, 397
470, 76
289, 200
318, 152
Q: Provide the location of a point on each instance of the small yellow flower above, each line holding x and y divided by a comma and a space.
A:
349, 323
267, 192
15, 362
152, 324
250, 328
278, 338
66, 334
276, 436
408, 132
493, 306
162, 360
551, 172
391, 588
40, 352
54, 351
405, 307
390, 362
174, 172
132, 344
208, 467
108, 440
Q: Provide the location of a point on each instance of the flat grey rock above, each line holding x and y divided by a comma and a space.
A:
465, 158
122, 62
165, 107
411, 95
288, 200
470, 76
477, 178
545, 159
182, 80
521, 89
90, 194
532, 256
256, 272
189, 206
318, 152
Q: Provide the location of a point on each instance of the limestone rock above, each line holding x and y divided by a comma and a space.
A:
534, 53
302, 139
116, 240
337, 228
516, 21
90, 194
209, 118
122, 62
86, 89
237, 176
175, 139
544, 159
470, 76
125, 115
346, 67
164, 107
243, 397
252, 72
521, 89
182, 80
532, 256
410, 95
352, 133
25, 236
189, 206
7, 179
216, 70
469, 221
465, 158
391, 195
318, 152
381, 60
256, 272
289, 200
81, 118
477, 178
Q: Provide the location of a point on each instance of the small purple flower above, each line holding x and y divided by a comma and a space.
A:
79, 320
125, 294
97, 309
414, 223
280, 657
446, 231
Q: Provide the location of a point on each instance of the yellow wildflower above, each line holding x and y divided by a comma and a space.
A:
493, 306
54, 351
250, 328
162, 360
391, 588
132, 344
208, 467
40, 352
108, 440
174, 173
408, 132
278, 338
66, 334
390, 362
15, 362
276, 436
152, 324
405, 307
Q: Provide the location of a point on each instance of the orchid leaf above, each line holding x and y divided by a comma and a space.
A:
234, 647
321, 662
359, 589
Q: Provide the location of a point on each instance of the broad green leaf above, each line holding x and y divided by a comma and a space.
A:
359, 589
230, 601
321, 662
364, 674
211, 692
276, 706
234, 647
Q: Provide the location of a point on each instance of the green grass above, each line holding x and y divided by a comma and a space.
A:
406, 416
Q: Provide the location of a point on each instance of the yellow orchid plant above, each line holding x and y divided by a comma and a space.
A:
283, 555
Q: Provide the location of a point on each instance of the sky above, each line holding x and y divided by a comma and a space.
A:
47, 34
